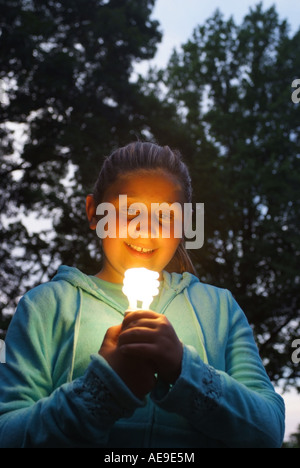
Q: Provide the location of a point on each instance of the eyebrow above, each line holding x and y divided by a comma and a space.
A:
116, 199
136, 199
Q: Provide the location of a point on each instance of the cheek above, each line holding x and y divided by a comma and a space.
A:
110, 246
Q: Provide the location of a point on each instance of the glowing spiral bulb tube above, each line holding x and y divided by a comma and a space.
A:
140, 284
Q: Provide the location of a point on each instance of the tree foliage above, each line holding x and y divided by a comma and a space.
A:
231, 85
294, 440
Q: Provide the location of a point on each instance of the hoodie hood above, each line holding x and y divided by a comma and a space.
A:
171, 285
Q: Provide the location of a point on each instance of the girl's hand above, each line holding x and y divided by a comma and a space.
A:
150, 335
136, 372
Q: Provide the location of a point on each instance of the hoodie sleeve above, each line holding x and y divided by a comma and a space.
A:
239, 406
33, 413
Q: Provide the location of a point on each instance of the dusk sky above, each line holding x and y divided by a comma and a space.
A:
178, 18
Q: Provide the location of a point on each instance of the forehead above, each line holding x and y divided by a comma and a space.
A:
148, 185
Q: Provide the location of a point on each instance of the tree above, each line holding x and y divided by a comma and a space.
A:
294, 441
68, 96
232, 87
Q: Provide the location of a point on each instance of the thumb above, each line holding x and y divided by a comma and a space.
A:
112, 333
110, 340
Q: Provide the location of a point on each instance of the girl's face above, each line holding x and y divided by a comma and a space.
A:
155, 186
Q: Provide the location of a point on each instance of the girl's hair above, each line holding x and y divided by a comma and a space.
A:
148, 156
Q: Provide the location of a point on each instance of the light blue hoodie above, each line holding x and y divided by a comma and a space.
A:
56, 391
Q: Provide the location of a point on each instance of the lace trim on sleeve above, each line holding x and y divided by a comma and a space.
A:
98, 398
210, 393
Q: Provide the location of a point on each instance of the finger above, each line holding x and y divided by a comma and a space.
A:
136, 315
137, 335
140, 322
144, 350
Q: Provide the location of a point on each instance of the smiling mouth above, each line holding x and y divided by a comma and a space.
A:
142, 250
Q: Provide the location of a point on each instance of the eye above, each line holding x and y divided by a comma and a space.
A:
132, 212
165, 216
129, 211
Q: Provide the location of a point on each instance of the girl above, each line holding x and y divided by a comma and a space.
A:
185, 374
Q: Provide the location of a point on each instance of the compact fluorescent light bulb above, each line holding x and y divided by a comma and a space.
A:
140, 284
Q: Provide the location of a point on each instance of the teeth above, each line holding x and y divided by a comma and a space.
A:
140, 249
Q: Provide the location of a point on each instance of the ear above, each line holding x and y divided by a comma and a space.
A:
90, 207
